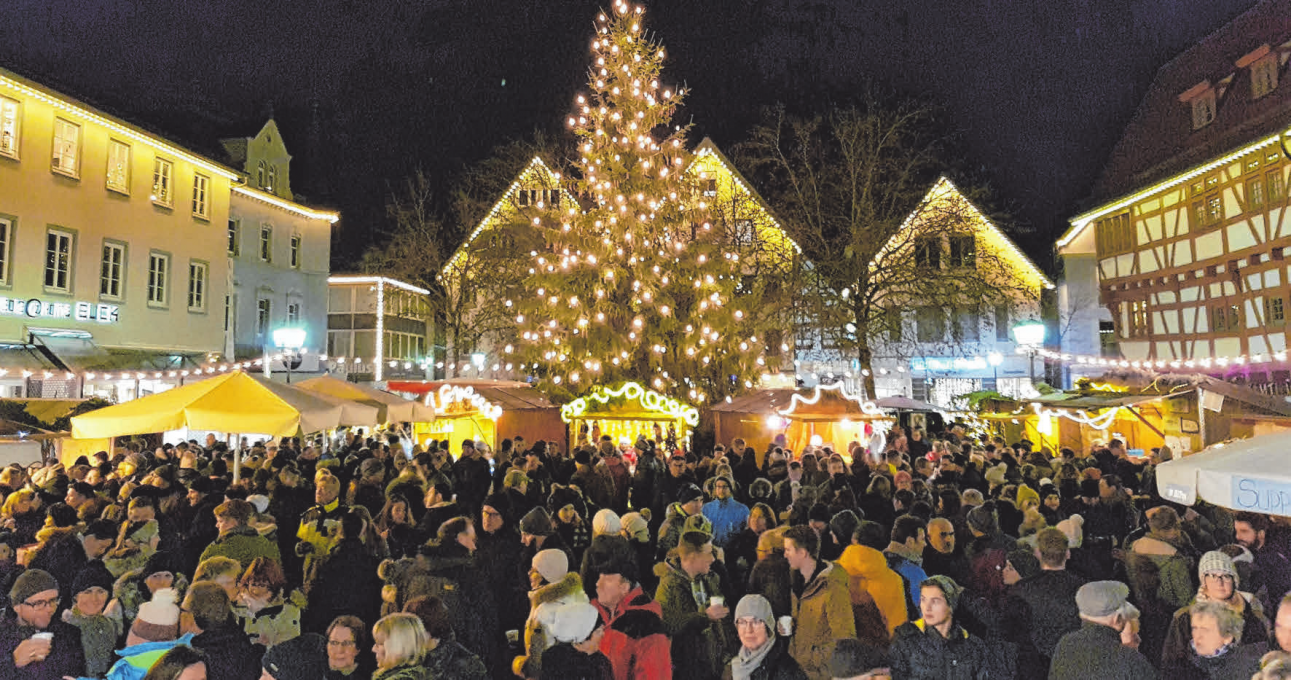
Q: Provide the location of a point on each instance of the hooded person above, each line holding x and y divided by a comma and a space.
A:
871, 579
554, 585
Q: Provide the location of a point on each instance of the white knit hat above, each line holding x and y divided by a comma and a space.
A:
260, 502
606, 523
574, 622
552, 564
158, 619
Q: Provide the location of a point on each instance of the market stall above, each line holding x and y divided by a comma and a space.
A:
1246, 475
827, 415
628, 411
483, 410
391, 408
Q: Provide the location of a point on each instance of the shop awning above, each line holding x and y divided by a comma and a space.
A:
231, 402
390, 407
1249, 475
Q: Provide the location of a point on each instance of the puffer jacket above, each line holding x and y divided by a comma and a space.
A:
868, 571
634, 641
137, 659
921, 654
822, 615
1174, 568
699, 644
543, 604
243, 544
61, 554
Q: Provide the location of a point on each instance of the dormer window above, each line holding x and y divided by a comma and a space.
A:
1264, 76
273, 178
1201, 97
260, 173
539, 198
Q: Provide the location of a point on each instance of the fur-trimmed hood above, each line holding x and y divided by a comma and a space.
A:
570, 585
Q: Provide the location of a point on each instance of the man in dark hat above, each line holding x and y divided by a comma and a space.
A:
690, 502
34, 644
634, 641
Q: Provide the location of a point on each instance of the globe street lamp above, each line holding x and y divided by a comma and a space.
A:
1030, 338
289, 342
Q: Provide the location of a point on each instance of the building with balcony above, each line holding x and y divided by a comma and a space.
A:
378, 329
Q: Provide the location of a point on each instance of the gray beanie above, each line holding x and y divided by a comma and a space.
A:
756, 607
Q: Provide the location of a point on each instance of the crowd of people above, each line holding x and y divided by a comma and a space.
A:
938, 559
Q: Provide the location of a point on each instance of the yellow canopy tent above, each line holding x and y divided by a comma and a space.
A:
390, 407
233, 402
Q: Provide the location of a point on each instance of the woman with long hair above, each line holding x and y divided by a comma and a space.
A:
395, 525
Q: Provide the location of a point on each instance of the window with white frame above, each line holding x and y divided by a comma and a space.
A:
158, 278
58, 260
196, 286
110, 270
273, 178
1264, 76
260, 172
263, 309
6, 238
9, 121
163, 182
118, 166
67, 146
201, 189
235, 241
295, 251
1203, 109
293, 312
266, 243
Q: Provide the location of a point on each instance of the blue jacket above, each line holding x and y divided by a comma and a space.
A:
728, 518
913, 574
137, 659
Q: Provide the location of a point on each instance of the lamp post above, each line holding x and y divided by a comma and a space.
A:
289, 341
1030, 338
995, 359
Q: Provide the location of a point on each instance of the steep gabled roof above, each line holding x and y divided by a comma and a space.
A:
944, 189
1160, 143
707, 147
535, 166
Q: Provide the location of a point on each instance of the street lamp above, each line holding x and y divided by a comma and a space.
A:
289, 341
1030, 338
478, 360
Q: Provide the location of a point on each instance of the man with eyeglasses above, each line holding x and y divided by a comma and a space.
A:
33, 643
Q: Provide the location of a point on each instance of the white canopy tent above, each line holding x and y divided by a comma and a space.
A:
1251, 475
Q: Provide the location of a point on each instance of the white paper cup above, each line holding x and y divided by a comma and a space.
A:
513, 636
785, 626
717, 601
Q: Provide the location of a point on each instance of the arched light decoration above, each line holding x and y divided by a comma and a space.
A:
867, 407
451, 394
649, 399
1101, 421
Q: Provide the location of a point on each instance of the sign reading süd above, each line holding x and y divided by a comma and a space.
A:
35, 308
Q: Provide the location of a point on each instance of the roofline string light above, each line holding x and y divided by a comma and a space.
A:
649, 399
867, 407
453, 394
1160, 364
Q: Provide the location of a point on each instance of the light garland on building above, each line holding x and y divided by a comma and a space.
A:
867, 407
1160, 364
1101, 421
448, 395
649, 399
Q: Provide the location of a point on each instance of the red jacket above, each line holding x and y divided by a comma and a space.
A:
634, 638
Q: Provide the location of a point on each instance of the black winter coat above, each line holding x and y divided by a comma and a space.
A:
1038, 611
919, 654
777, 665
229, 653
1095, 651
345, 583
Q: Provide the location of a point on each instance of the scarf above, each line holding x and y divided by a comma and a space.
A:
748, 660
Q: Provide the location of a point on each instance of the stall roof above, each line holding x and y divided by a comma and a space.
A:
509, 394
1164, 387
828, 404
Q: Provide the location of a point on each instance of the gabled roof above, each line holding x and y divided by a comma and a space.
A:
1159, 143
944, 189
705, 148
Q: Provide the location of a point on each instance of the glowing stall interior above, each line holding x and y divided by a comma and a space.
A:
629, 411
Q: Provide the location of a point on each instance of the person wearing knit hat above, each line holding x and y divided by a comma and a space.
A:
1219, 584
728, 516
551, 565
536, 523
91, 590
158, 619
995, 475
1027, 496
936, 646
301, 658
553, 587
1020, 564
576, 654
690, 502
761, 654
981, 520
635, 527
606, 522
34, 598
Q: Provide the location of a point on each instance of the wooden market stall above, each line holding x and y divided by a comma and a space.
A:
628, 411
483, 410
827, 415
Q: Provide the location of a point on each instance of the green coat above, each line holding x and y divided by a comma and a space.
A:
243, 544
699, 644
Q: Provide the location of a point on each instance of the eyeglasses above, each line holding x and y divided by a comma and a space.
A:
42, 604
1221, 577
747, 622
341, 644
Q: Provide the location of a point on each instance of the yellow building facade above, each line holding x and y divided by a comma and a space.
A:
112, 240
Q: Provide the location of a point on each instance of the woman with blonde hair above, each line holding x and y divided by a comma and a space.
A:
399, 642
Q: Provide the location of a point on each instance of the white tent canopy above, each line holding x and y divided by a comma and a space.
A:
390, 407
1251, 475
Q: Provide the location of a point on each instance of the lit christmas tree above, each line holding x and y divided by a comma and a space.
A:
634, 282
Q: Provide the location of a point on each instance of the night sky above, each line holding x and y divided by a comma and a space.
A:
368, 90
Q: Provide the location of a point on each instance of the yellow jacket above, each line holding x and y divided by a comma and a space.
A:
868, 569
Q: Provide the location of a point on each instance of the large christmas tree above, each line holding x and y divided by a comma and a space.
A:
634, 282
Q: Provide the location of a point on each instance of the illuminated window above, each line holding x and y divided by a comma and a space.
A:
58, 260
1225, 318
201, 187
67, 147
1276, 186
158, 278
118, 166
263, 308
709, 187
266, 243
295, 251
1255, 193
1274, 312
235, 240
1137, 319
745, 234
1203, 109
163, 180
9, 119
110, 270
261, 170
273, 178
1208, 212
1264, 76
196, 286
963, 251
6, 237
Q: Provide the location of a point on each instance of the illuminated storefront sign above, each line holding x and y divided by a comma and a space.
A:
35, 308
948, 364
451, 394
